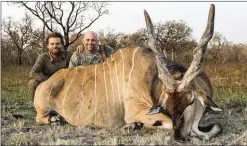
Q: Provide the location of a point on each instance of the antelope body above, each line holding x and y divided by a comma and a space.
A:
100, 94
123, 90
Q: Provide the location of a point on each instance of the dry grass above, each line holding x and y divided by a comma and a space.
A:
228, 76
229, 83
18, 125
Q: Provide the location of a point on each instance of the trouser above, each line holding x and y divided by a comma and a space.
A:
32, 85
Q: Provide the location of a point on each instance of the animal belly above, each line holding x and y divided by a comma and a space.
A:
87, 107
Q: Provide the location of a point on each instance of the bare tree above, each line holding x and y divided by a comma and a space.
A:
140, 37
38, 36
173, 36
110, 37
20, 33
76, 43
7, 47
67, 16
217, 45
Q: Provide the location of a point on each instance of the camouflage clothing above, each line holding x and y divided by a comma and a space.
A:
94, 58
45, 67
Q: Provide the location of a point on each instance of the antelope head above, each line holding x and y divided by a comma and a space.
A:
182, 93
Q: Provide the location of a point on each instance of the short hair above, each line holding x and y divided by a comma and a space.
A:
54, 35
94, 33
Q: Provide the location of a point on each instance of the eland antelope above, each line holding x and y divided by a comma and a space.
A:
132, 87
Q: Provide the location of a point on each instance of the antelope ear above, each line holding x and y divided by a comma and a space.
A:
212, 105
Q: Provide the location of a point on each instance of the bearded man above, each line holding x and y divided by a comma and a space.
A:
49, 62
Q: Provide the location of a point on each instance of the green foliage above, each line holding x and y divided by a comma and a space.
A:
14, 96
227, 98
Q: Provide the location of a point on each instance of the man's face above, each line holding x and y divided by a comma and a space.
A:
54, 46
91, 42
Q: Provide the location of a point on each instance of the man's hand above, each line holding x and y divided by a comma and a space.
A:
80, 49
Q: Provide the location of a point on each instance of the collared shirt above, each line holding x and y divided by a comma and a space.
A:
45, 66
89, 58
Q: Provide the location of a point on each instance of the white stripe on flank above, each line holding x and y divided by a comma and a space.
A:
106, 92
117, 84
53, 86
131, 70
132, 67
67, 91
82, 102
66, 73
95, 87
113, 100
123, 67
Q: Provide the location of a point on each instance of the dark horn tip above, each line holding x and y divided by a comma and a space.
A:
147, 18
145, 12
212, 6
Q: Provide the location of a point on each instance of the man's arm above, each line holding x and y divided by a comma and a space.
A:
36, 72
68, 57
73, 60
109, 51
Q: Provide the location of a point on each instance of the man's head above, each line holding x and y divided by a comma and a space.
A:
54, 42
91, 42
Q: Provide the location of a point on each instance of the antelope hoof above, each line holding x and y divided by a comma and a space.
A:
132, 127
57, 120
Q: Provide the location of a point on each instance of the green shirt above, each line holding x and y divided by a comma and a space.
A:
92, 58
45, 66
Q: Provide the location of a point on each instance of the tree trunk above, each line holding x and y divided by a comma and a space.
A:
172, 53
19, 60
19, 57
66, 46
43, 37
66, 41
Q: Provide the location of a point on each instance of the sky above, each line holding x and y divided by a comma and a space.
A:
127, 17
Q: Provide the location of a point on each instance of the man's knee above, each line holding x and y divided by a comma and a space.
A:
33, 84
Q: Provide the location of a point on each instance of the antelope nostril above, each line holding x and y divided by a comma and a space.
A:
157, 123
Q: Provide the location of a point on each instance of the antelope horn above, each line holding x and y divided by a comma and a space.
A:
199, 53
161, 61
